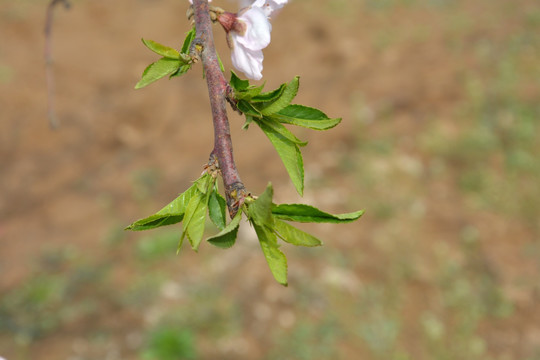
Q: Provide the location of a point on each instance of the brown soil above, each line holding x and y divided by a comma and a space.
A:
69, 187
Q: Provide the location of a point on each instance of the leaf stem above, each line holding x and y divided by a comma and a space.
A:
218, 89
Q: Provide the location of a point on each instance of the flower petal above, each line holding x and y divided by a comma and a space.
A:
248, 61
258, 28
269, 6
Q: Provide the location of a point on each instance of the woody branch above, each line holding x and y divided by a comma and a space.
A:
218, 89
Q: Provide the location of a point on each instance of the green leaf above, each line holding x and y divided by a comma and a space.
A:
285, 99
217, 209
227, 236
305, 116
237, 83
289, 153
195, 215
260, 216
205, 183
184, 54
277, 262
295, 236
248, 109
171, 214
282, 130
260, 211
248, 121
222, 68
307, 213
157, 70
249, 93
190, 35
269, 96
165, 51
154, 221
181, 71
194, 219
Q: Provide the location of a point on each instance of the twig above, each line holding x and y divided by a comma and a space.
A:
51, 114
218, 90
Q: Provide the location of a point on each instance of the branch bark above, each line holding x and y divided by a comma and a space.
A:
218, 88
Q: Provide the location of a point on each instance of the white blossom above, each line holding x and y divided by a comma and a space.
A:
269, 6
248, 61
248, 33
248, 40
252, 36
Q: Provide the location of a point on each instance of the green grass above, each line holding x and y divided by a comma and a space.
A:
307, 340
158, 245
53, 297
169, 343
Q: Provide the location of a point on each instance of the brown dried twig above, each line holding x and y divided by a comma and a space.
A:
51, 114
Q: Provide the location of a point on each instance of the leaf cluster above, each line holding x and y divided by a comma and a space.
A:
173, 62
271, 111
270, 221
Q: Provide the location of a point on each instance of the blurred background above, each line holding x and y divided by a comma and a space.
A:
439, 144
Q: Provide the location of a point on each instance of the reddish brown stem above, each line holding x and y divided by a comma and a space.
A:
217, 90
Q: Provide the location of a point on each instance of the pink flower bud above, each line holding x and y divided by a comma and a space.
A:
230, 23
